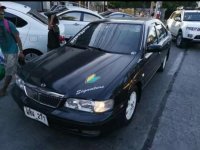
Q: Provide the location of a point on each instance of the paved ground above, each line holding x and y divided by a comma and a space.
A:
179, 124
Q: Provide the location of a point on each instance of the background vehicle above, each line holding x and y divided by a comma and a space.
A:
118, 15
96, 78
184, 26
75, 18
32, 27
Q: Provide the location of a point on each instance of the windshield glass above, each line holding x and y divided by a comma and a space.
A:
192, 16
38, 16
109, 37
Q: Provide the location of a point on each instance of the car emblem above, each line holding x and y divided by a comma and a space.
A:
92, 78
43, 85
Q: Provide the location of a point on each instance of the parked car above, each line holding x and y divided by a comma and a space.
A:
32, 27
97, 78
184, 25
75, 18
118, 15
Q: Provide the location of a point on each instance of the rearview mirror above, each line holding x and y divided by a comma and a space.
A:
177, 19
154, 48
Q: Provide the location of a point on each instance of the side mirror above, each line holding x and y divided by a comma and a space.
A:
177, 19
154, 48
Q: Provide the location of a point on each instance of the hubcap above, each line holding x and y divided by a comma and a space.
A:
30, 56
131, 105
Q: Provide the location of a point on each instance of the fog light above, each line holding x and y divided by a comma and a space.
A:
94, 133
190, 35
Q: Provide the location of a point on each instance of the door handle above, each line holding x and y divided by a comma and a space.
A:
76, 24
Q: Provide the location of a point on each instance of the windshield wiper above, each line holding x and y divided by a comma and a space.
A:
97, 48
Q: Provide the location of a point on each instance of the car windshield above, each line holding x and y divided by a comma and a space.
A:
38, 16
192, 16
109, 37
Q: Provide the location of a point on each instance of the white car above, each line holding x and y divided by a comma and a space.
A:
185, 26
32, 27
118, 15
75, 18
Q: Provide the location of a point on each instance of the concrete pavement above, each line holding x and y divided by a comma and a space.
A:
178, 127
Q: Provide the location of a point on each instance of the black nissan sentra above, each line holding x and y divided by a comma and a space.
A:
96, 78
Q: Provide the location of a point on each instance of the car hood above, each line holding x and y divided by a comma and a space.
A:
192, 24
75, 72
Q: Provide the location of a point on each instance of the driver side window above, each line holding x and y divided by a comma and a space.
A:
71, 16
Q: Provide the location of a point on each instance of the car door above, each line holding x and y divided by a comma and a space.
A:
21, 25
72, 22
177, 24
170, 21
151, 61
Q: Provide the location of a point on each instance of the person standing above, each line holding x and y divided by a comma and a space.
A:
10, 44
54, 33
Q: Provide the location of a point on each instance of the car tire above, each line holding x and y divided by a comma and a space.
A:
30, 54
179, 40
130, 109
163, 64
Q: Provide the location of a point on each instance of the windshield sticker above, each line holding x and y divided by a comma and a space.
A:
87, 90
92, 78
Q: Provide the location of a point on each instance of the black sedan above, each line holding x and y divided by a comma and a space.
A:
96, 78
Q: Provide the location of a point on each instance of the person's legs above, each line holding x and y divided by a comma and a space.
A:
7, 81
11, 67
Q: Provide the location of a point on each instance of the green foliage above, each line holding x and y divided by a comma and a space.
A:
173, 5
129, 4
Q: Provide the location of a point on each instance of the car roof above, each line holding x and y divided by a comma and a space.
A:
16, 6
135, 20
119, 13
75, 8
187, 11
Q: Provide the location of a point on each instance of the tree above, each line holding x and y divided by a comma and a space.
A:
129, 4
171, 6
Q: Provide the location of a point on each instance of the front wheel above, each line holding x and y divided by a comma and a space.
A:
131, 104
30, 54
179, 40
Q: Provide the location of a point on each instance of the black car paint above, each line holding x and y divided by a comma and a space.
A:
65, 70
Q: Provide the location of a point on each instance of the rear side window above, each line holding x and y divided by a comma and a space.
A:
152, 36
90, 17
116, 16
71, 16
19, 22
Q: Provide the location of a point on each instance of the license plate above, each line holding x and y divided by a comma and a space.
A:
33, 114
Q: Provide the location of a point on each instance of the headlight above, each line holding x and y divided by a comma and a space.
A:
89, 105
19, 82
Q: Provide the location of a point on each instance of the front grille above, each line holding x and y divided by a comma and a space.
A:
197, 37
43, 97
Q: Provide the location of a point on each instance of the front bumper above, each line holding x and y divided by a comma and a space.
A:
65, 119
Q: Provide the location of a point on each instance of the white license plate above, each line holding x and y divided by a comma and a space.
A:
31, 113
